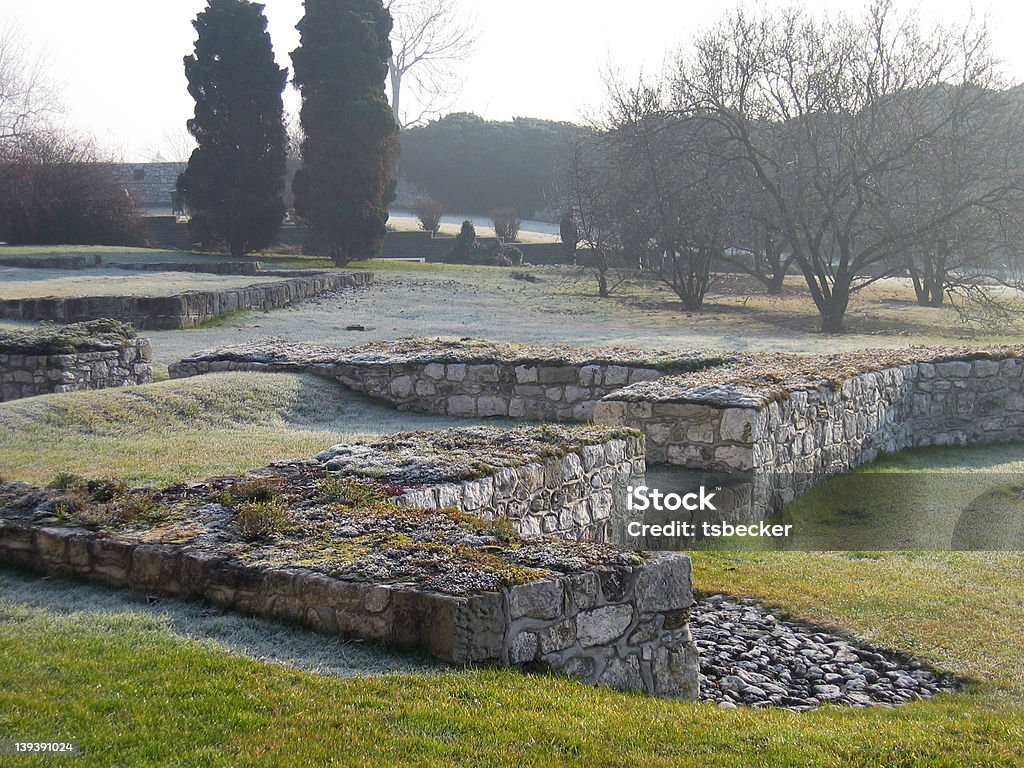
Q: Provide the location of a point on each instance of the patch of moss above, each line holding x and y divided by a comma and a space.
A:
91, 336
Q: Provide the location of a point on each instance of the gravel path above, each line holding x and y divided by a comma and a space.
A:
750, 657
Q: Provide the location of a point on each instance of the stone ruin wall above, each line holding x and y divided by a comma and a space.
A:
570, 497
809, 434
183, 310
528, 390
794, 439
625, 630
24, 375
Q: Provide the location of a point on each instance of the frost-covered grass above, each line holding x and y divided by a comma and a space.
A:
21, 283
54, 605
196, 428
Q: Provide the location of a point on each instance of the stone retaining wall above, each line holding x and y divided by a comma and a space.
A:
532, 390
807, 434
29, 375
183, 310
625, 629
573, 496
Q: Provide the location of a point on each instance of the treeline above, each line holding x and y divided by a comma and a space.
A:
844, 149
474, 165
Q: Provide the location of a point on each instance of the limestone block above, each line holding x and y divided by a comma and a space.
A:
986, 368
550, 374
477, 494
461, 405
492, 405
738, 425
735, 457
523, 648
557, 637
434, 371
664, 584
591, 376
526, 374
483, 374
953, 370
543, 599
616, 375
602, 626
622, 674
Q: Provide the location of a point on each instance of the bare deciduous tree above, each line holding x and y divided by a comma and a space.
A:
174, 146
27, 93
598, 208
833, 115
429, 39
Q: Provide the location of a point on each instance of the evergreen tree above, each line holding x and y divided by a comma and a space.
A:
351, 146
234, 183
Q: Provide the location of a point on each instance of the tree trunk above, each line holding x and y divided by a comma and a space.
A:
774, 283
833, 308
602, 284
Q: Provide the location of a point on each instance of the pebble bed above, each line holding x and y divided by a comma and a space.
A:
750, 657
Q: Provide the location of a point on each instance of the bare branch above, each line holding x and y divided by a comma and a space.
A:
430, 38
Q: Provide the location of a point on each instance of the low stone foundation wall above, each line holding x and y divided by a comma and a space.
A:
796, 435
183, 310
791, 418
572, 496
457, 379
30, 375
625, 627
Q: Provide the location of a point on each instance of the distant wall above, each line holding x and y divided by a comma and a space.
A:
150, 184
31, 375
526, 389
183, 310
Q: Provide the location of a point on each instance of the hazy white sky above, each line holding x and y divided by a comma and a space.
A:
120, 60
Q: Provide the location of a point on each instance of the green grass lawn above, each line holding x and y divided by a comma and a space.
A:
134, 694
135, 691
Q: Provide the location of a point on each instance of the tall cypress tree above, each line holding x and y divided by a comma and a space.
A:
350, 151
234, 183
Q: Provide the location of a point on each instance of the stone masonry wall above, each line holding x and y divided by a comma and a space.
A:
183, 310
536, 391
571, 497
29, 375
812, 433
625, 630
798, 432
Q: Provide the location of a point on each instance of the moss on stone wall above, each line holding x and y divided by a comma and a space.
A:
91, 336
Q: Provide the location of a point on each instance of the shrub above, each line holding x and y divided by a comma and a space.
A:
66, 481
465, 241
246, 491
429, 212
497, 256
506, 223
258, 520
57, 188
